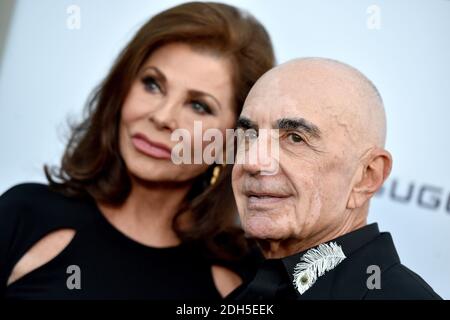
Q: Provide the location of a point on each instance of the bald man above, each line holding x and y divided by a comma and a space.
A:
307, 204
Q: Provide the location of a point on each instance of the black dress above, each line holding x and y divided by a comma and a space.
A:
107, 264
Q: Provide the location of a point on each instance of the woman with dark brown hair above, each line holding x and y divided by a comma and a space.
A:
119, 219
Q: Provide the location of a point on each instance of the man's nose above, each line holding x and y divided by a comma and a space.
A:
262, 156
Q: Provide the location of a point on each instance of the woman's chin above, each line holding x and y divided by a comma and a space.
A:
148, 176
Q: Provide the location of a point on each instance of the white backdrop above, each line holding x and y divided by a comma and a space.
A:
49, 67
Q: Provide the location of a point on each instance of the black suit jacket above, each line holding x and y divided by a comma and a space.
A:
363, 248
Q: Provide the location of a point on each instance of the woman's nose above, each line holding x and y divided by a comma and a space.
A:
165, 115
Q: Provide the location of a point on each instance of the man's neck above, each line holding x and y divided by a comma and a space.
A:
277, 249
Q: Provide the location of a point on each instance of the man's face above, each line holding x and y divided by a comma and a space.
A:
309, 193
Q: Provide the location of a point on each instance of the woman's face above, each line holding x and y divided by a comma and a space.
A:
176, 86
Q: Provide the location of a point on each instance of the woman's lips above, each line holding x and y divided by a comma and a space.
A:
150, 148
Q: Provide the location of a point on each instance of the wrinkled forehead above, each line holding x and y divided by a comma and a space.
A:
293, 96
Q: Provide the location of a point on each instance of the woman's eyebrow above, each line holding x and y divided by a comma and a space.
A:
193, 92
198, 93
158, 72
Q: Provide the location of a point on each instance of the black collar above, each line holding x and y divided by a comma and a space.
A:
363, 247
350, 242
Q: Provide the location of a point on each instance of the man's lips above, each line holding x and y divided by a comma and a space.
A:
256, 199
151, 148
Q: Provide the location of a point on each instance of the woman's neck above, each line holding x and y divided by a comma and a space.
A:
147, 214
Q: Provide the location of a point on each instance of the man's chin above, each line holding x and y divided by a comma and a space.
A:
262, 227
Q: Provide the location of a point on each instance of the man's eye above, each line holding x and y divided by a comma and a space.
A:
151, 84
200, 107
295, 138
250, 134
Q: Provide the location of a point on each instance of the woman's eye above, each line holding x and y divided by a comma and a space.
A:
151, 84
295, 138
200, 107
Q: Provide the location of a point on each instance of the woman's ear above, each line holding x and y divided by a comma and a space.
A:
376, 168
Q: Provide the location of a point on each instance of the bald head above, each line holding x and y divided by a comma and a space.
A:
334, 89
332, 131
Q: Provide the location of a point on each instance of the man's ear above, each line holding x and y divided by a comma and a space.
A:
376, 168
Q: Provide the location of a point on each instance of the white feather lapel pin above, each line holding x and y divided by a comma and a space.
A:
314, 263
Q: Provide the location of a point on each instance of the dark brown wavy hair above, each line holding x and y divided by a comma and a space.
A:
92, 165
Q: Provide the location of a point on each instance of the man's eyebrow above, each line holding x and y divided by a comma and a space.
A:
298, 124
245, 123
